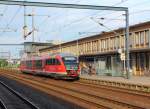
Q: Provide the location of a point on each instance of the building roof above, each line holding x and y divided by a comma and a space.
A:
119, 30
38, 43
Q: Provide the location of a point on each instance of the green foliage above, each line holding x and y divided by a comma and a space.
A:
3, 63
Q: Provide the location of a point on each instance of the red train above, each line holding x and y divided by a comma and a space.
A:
60, 66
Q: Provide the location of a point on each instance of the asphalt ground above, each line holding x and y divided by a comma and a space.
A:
40, 99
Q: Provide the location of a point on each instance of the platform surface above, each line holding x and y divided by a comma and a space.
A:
133, 80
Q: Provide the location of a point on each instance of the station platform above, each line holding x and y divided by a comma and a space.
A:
134, 80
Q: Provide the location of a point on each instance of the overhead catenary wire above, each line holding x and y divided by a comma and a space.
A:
116, 18
101, 24
62, 13
3, 13
107, 21
123, 1
93, 14
78, 20
42, 23
130, 14
11, 20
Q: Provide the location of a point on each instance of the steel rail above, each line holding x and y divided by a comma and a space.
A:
113, 88
130, 86
59, 90
2, 105
60, 93
91, 95
121, 85
33, 106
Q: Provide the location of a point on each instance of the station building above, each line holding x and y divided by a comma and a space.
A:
32, 48
105, 51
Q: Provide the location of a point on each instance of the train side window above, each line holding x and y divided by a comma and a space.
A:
23, 63
52, 62
38, 63
56, 62
29, 64
49, 62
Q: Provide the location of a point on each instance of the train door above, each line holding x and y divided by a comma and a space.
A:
53, 65
38, 65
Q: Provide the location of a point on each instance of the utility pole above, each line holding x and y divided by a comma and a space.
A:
33, 24
127, 56
33, 27
78, 48
25, 26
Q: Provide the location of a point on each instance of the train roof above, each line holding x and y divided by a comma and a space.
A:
46, 56
32, 58
62, 54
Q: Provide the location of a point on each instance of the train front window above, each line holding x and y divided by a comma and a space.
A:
71, 63
70, 60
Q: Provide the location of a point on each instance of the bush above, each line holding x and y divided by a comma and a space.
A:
3, 63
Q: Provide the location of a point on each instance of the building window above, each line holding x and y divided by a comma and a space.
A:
117, 42
122, 41
94, 46
88, 47
147, 36
102, 45
142, 37
137, 38
111, 43
131, 39
107, 43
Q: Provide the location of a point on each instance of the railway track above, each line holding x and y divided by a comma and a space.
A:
128, 86
18, 101
113, 88
98, 88
59, 92
2, 105
94, 100
108, 87
120, 85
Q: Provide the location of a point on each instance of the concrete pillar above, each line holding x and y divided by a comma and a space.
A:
149, 38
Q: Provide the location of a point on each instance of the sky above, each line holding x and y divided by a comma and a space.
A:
66, 24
